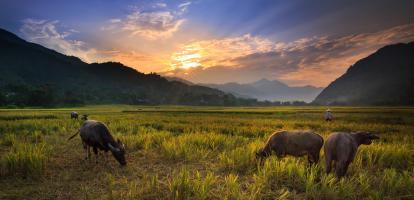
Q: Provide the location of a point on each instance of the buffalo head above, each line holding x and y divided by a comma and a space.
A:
366, 137
118, 152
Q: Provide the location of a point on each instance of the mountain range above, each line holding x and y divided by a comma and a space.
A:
271, 90
385, 77
32, 75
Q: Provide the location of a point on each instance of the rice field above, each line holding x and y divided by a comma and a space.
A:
179, 152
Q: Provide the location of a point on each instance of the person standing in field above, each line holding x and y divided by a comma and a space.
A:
328, 115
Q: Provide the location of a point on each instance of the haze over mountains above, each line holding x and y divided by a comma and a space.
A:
386, 77
271, 90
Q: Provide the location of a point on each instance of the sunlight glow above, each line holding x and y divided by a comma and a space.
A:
189, 57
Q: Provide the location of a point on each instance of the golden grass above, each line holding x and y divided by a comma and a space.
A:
179, 152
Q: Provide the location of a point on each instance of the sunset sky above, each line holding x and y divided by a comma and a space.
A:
308, 42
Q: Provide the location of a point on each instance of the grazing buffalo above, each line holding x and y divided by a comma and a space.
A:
96, 135
84, 117
294, 143
74, 115
340, 148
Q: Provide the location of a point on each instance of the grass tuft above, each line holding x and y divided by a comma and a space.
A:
26, 160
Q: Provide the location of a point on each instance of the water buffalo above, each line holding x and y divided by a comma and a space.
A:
341, 147
294, 143
96, 135
74, 115
84, 117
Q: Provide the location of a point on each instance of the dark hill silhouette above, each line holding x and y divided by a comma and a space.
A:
33, 75
386, 77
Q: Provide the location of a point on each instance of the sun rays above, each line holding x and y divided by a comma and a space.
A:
189, 57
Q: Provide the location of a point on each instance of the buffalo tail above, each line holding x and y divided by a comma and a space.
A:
73, 135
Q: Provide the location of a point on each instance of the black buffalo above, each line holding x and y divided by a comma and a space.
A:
96, 135
74, 115
341, 147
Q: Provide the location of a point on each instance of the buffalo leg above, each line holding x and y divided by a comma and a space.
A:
316, 157
85, 146
310, 159
340, 169
345, 169
88, 152
328, 162
105, 156
313, 158
262, 161
95, 150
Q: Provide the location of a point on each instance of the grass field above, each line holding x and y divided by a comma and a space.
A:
200, 153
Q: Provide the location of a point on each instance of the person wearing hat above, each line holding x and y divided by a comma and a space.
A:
328, 115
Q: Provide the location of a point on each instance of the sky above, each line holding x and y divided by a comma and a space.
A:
298, 42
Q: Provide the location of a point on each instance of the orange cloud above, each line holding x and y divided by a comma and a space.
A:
209, 53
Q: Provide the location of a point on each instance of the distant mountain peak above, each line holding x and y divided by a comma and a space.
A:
272, 90
263, 80
268, 83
